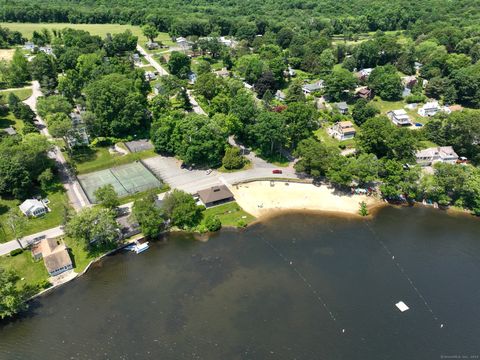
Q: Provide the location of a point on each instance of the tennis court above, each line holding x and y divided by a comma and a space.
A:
126, 179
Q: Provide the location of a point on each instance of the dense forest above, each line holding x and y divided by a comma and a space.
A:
201, 17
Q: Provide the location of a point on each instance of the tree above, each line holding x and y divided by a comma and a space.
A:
93, 227
54, 104
250, 67
269, 132
184, 100
149, 216
300, 119
467, 84
118, 107
386, 82
295, 92
45, 179
44, 69
266, 82
14, 178
17, 225
181, 209
59, 125
339, 83
362, 111
179, 64
107, 196
150, 31
314, 157
208, 85
284, 37
397, 181
233, 159
212, 223
326, 61
13, 296
18, 70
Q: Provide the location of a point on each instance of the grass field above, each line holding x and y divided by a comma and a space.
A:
95, 29
6, 54
99, 158
57, 197
22, 93
10, 120
230, 214
32, 272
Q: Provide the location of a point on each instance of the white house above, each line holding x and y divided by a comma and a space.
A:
364, 73
33, 208
46, 49
316, 86
280, 95
430, 156
30, 46
342, 130
182, 42
399, 117
432, 108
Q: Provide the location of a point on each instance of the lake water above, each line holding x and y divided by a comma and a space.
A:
294, 287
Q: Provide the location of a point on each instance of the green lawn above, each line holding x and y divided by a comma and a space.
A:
57, 197
10, 120
99, 158
95, 29
230, 214
22, 93
32, 272
323, 136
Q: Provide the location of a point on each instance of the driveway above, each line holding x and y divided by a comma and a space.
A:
5, 248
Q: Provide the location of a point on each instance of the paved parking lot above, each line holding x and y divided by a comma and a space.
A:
168, 169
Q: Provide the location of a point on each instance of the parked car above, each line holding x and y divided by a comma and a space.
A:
209, 171
277, 171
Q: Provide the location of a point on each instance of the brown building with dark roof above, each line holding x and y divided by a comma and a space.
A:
215, 195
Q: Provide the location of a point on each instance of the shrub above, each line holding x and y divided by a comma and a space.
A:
241, 223
415, 98
16, 252
233, 159
213, 223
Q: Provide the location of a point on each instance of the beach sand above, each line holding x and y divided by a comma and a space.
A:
260, 199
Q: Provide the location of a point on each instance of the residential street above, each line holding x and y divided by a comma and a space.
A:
163, 72
75, 193
5, 248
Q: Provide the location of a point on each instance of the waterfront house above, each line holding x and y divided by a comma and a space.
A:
310, 88
342, 130
215, 195
33, 208
430, 156
399, 117
342, 107
55, 255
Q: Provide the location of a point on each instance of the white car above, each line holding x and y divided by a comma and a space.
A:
209, 171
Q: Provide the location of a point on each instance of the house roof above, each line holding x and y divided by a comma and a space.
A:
456, 108
441, 151
347, 127
30, 205
431, 105
10, 130
57, 260
341, 105
313, 87
215, 193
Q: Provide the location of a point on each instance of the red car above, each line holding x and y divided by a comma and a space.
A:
276, 171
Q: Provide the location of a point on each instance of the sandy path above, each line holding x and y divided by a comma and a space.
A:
260, 198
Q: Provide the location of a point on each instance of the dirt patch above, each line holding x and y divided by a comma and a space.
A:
6, 54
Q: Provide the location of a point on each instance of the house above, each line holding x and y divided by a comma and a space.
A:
128, 226
409, 81
417, 65
290, 72
150, 75
55, 256
30, 46
364, 93
159, 89
78, 136
33, 208
342, 107
152, 45
192, 78
364, 73
310, 88
10, 131
46, 49
342, 130
399, 117
453, 108
406, 92
247, 86
227, 42
432, 108
182, 42
280, 95
136, 59
222, 73
215, 195
430, 156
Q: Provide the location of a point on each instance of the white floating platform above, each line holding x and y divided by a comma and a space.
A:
402, 306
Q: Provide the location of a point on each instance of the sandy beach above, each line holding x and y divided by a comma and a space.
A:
260, 198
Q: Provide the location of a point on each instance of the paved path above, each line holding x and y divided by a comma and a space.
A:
163, 72
76, 196
5, 248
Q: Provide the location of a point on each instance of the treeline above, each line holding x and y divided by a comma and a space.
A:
202, 17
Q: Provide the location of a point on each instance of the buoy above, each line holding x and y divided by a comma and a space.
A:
441, 325
291, 262
343, 330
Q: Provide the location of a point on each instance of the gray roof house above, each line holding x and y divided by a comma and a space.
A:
316, 86
342, 107
215, 195
430, 156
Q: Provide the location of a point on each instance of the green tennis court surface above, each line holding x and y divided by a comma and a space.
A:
126, 179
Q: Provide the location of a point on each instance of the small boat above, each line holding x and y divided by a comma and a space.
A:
137, 247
